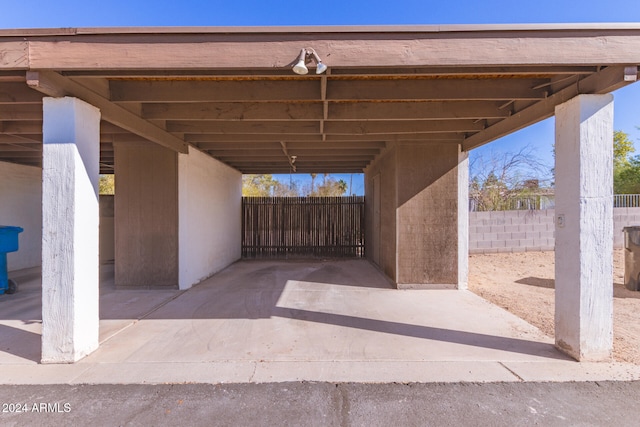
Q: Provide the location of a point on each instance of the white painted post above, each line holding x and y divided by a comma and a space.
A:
463, 219
70, 216
584, 227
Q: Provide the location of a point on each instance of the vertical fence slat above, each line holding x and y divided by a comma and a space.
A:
281, 227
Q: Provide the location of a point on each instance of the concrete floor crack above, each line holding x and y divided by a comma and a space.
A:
512, 372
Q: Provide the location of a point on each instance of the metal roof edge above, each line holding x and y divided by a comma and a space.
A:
448, 28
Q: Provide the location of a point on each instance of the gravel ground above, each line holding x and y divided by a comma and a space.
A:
523, 283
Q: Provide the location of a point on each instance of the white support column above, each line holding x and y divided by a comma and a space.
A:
584, 227
463, 219
70, 215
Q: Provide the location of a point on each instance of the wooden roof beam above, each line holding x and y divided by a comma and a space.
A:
240, 111
215, 90
435, 89
162, 48
605, 81
199, 138
416, 110
401, 127
294, 152
53, 84
295, 145
424, 71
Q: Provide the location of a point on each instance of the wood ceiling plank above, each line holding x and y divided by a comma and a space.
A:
435, 136
294, 145
269, 127
295, 152
245, 137
234, 111
20, 139
19, 154
214, 90
429, 110
22, 127
400, 127
21, 112
435, 89
260, 160
14, 92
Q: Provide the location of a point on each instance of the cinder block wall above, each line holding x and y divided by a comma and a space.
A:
520, 231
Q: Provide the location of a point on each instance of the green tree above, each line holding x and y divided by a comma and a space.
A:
622, 147
626, 180
107, 185
330, 187
626, 170
258, 185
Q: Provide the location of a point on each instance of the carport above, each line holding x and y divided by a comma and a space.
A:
180, 113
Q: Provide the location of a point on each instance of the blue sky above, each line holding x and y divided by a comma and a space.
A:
76, 13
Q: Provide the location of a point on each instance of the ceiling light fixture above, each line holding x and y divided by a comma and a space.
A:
306, 55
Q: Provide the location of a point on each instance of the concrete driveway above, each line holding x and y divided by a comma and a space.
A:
268, 321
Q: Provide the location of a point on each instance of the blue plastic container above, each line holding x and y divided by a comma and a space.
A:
8, 243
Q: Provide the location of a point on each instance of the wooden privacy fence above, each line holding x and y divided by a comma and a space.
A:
282, 227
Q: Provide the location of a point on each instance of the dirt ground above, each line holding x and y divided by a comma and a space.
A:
523, 283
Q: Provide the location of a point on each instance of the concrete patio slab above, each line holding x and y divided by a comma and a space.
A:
267, 321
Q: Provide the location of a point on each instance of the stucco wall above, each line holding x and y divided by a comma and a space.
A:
107, 228
20, 205
381, 230
427, 180
210, 203
519, 231
146, 216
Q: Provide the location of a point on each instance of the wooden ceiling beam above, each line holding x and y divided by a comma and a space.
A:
401, 127
19, 154
294, 145
16, 92
214, 90
198, 138
233, 111
605, 81
53, 84
435, 136
422, 71
435, 89
21, 127
260, 160
355, 127
262, 128
375, 47
20, 139
21, 112
300, 171
294, 152
416, 110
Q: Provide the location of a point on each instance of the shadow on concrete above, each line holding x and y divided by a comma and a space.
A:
254, 290
512, 345
20, 343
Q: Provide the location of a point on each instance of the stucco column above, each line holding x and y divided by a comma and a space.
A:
463, 219
70, 216
584, 227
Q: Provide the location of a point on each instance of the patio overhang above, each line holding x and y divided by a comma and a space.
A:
231, 92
